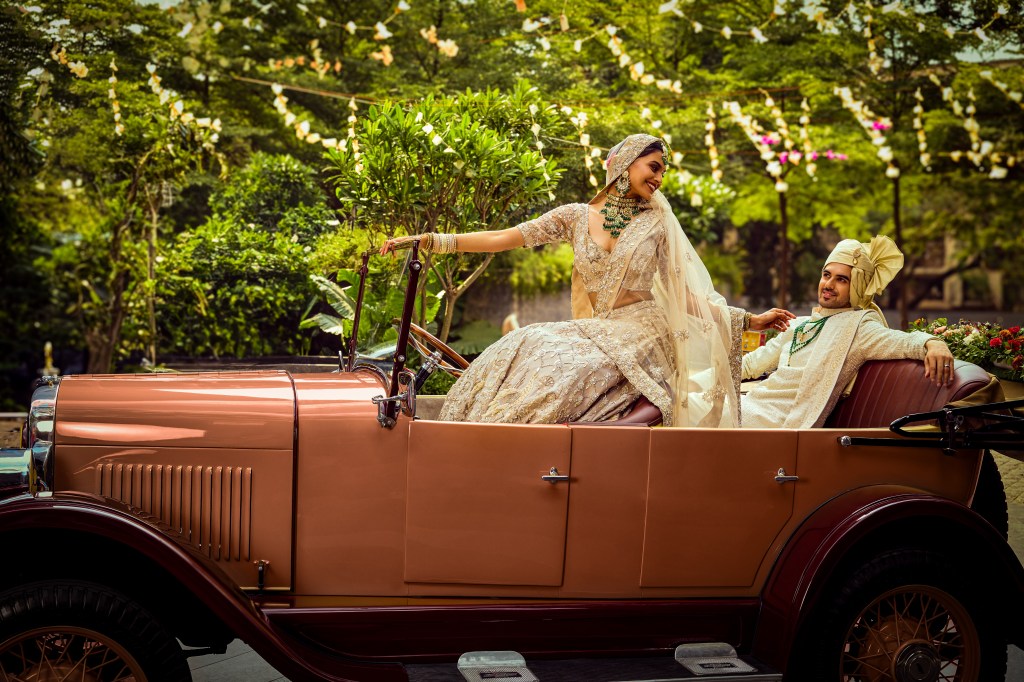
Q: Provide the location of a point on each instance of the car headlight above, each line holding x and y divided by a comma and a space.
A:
40, 434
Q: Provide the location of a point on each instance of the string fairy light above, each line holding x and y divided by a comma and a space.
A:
761, 141
981, 149
301, 127
59, 54
1014, 95
810, 156
778, 165
114, 103
922, 138
874, 126
446, 47
709, 142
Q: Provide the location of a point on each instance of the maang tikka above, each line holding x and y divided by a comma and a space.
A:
619, 209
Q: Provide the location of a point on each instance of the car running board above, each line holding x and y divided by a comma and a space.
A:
713, 661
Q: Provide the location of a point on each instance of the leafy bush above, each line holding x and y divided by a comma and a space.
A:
383, 302
231, 290
275, 193
536, 271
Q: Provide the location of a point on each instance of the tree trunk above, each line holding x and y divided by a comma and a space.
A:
103, 340
101, 352
451, 295
783, 268
154, 213
897, 221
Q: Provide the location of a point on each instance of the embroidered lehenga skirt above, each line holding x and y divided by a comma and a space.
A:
578, 370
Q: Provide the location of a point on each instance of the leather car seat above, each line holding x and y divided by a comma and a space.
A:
642, 413
886, 390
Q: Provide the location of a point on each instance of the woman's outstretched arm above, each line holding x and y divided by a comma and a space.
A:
487, 241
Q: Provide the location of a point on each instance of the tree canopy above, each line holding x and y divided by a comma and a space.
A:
153, 151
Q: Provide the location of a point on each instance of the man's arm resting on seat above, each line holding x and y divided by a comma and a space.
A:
881, 343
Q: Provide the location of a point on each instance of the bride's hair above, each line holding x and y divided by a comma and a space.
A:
656, 146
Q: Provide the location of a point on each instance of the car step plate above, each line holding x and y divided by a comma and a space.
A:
480, 666
710, 661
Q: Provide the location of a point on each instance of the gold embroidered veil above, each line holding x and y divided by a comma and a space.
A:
703, 391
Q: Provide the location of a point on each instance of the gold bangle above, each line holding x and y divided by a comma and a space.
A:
746, 320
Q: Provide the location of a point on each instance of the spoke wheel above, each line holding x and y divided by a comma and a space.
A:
904, 615
57, 631
67, 653
916, 633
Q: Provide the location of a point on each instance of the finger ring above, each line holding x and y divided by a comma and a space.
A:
946, 365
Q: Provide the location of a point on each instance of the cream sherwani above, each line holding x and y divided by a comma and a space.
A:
806, 385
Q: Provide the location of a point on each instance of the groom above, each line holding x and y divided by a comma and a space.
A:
818, 356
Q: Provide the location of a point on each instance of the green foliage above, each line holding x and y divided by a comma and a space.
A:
454, 164
437, 383
724, 268
475, 337
78, 196
383, 302
231, 290
274, 192
341, 248
439, 165
701, 203
537, 271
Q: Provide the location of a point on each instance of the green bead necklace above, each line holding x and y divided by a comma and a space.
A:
805, 333
618, 211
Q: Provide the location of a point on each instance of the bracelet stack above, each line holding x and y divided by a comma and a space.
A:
746, 320
440, 242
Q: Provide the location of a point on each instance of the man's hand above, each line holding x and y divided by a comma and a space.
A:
938, 362
776, 318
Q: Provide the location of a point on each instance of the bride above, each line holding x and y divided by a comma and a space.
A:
646, 318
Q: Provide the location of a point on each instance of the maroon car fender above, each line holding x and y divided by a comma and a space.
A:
848, 529
111, 521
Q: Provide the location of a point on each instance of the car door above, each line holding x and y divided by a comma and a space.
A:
714, 505
478, 510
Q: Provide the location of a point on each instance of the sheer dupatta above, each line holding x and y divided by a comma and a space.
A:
703, 391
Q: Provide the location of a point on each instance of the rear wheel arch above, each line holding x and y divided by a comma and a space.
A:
64, 555
862, 525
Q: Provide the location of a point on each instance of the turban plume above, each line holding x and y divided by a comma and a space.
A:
874, 265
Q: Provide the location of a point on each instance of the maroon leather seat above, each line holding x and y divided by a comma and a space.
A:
888, 389
642, 413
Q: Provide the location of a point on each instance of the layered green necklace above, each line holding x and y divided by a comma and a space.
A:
618, 211
805, 333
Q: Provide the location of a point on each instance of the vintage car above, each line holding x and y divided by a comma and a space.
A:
315, 517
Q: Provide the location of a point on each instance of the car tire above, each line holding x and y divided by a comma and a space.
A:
70, 623
990, 496
900, 615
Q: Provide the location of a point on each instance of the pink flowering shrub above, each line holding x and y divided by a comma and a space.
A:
997, 350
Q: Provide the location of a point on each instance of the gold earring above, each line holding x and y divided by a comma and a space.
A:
622, 184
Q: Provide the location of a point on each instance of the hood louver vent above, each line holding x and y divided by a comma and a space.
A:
208, 506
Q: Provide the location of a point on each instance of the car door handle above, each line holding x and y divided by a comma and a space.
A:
781, 477
553, 476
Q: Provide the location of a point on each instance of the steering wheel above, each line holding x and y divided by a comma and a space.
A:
426, 344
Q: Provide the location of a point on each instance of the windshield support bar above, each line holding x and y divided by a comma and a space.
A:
390, 408
351, 365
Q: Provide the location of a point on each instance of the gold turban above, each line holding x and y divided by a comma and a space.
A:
874, 266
